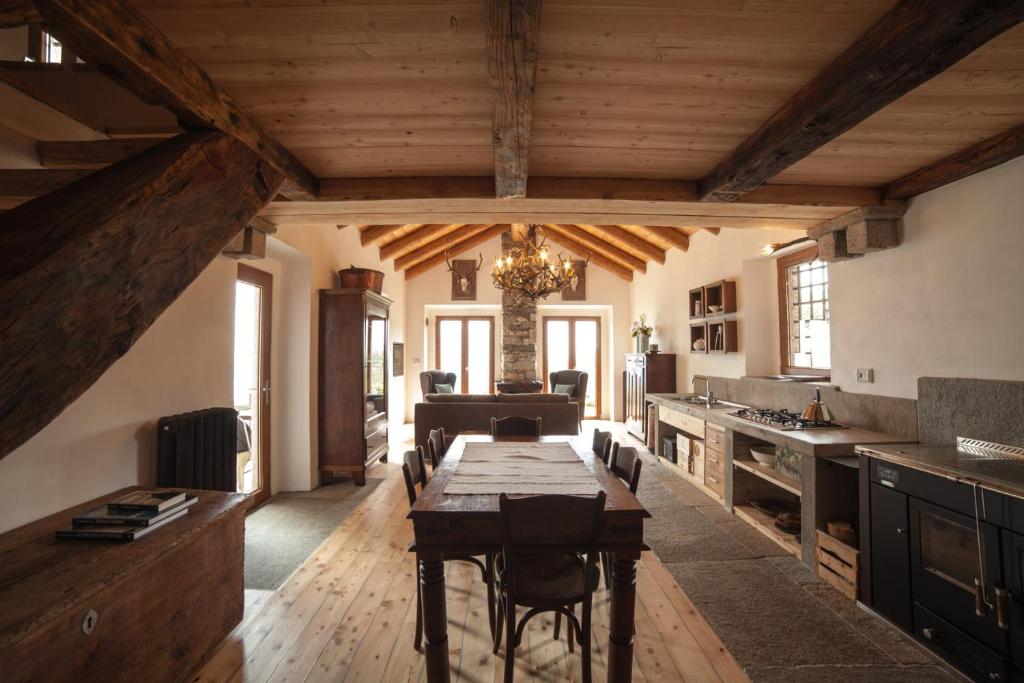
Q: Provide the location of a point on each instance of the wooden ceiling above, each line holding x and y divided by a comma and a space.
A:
447, 114
620, 249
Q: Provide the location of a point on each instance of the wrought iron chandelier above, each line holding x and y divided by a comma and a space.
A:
529, 269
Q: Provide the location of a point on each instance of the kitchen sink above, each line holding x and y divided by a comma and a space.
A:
695, 400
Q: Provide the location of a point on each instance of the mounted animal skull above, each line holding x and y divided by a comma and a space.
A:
463, 276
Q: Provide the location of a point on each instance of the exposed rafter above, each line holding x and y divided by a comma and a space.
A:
465, 242
915, 41
675, 236
632, 242
15, 13
986, 154
416, 239
114, 35
437, 247
370, 234
596, 258
512, 33
598, 245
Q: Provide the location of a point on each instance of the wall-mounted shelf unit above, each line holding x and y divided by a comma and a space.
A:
721, 293
722, 336
698, 331
696, 299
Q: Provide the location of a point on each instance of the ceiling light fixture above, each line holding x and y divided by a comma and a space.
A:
528, 269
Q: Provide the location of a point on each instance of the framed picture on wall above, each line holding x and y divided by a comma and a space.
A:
397, 359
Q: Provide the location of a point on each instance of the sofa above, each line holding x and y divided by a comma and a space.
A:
473, 412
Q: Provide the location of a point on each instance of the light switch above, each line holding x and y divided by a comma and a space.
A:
866, 375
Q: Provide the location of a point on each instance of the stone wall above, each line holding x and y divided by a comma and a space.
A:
518, 332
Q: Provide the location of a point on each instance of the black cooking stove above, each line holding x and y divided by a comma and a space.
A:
783, 419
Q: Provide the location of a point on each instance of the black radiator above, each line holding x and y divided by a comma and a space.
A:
197, 450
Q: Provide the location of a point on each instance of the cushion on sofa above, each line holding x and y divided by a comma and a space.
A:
567, 389
440, 388
459, 398
533, 398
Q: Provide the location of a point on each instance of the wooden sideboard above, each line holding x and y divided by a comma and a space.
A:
353, 425
151, 610
646, 372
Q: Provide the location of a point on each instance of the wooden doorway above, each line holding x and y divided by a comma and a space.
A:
254, 293
574, 343
465, 345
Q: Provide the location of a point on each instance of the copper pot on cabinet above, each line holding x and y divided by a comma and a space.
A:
361, 278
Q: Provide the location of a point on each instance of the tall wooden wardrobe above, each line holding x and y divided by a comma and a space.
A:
353, 426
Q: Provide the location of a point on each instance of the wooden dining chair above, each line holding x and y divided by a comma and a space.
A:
548, 563
516, 426
625, 463
609, 450
415, 472
435, 447
599, 440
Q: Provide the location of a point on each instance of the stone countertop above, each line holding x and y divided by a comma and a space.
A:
997, 474
822, 443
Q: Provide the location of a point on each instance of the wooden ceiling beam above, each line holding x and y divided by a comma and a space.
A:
18, 186
547, 187
115, 36
986, 154
579, 249
91, 154
417, 256
375, 233
15, 13
513, 38
915, 41
416, 239
714, 231
598, 245
106, 264
675, 236
635, 242
454, 250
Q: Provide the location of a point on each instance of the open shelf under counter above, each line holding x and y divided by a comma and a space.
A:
769, 474
765, 523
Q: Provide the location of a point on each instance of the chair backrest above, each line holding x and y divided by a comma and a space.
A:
609, 450
435, 445
532, 525
428, 378
625, 464
516, 426
414, 471
599, 440
576, 377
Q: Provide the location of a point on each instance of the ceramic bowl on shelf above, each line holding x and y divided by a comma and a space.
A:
764, 455
699, 345
714, 309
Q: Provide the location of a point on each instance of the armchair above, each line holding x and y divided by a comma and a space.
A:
579, 379
428, 378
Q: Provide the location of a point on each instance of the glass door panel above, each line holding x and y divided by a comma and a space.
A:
376, 348
253, 296
556, 343
586, 335
574, 343
465, 346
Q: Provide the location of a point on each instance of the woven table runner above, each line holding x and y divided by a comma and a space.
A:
521, 468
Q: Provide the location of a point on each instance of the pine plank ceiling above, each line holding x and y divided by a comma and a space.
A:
641, 89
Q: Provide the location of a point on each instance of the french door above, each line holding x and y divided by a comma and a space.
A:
574, 343
465, 346
253, 296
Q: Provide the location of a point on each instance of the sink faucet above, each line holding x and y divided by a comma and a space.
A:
709, 396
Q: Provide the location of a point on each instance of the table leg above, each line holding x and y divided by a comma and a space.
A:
435, 619
620, 641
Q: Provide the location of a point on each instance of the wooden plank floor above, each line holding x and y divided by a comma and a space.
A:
349, 613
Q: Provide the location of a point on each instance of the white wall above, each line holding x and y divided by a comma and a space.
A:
430, 294
949, 301
731, 255
107, 438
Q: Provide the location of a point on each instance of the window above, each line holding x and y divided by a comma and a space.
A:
42, 47
574, 343
803, 313
465, 346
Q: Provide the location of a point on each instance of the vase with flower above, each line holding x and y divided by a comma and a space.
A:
642, 331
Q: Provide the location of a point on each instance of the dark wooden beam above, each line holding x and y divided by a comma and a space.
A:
91, 154
15, 13
85, 270
915, 41
116, 37
18, 186
986, 154
513, 36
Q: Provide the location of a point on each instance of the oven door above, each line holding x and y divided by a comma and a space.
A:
944, 566
1013, 577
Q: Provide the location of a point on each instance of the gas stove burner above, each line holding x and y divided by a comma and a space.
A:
784, 420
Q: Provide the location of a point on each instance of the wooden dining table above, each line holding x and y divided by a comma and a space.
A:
467, 524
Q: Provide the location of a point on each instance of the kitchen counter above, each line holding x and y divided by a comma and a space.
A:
997, 474
821, 443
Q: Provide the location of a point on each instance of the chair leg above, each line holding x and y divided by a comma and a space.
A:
606, 569
569, 632
510, 640
418, 641
558, 624
585, 645
489, 578
499, 623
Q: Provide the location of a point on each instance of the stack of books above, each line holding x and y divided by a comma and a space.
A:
131, 516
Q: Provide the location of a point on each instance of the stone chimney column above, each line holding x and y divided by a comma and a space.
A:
518, 331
